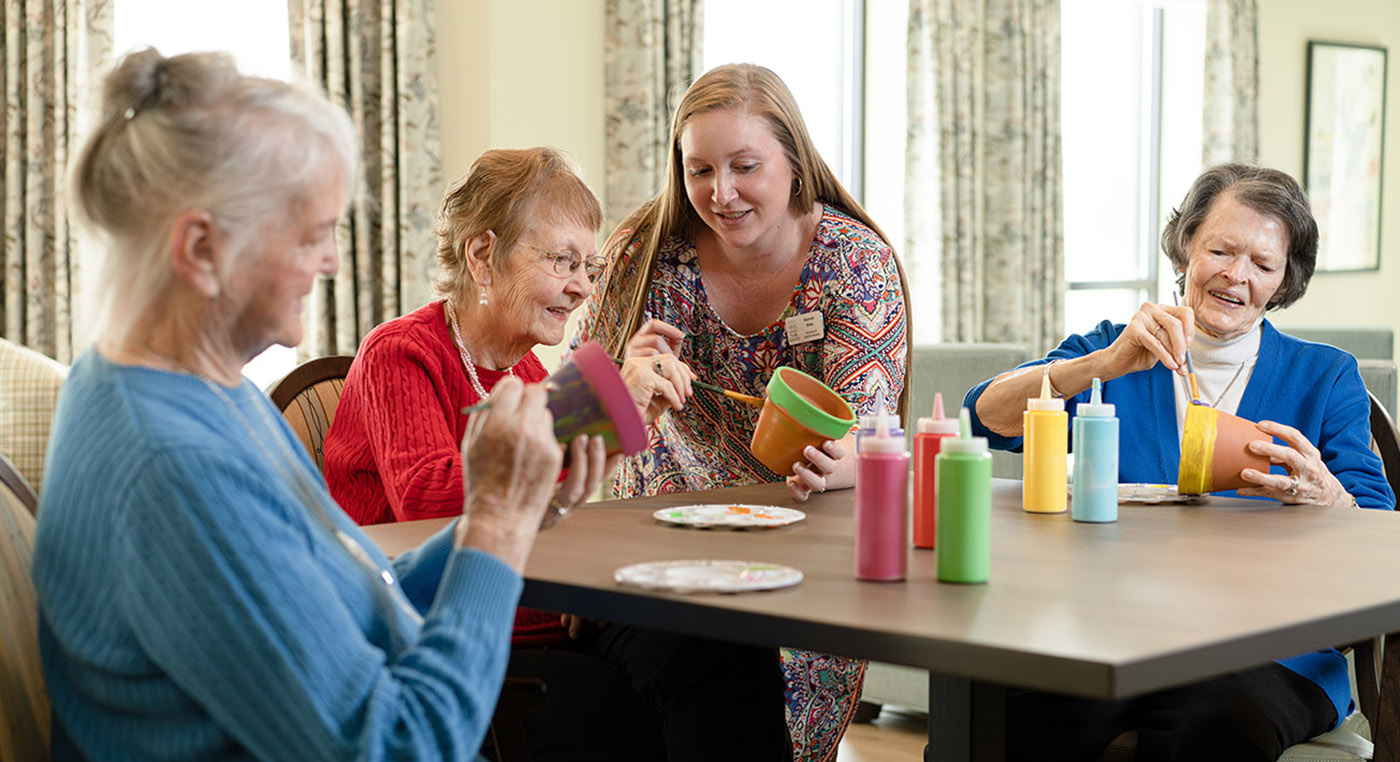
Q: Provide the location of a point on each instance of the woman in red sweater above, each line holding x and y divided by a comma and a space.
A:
517, 254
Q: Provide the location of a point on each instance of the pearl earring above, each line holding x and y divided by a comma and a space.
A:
482, 300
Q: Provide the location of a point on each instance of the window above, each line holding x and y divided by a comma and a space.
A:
255, 32
844, 61
826, 85
1131, 106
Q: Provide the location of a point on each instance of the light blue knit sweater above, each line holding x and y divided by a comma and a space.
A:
194, 609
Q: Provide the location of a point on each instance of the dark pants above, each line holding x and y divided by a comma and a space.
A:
1251, 715
624, 693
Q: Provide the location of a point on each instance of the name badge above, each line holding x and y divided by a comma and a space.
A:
804, 328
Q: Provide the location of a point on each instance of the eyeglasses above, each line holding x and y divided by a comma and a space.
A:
566, 263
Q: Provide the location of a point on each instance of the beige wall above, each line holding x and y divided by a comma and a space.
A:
516, 74
1285, 26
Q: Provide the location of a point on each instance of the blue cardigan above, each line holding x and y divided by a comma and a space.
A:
1312, 387
193, 608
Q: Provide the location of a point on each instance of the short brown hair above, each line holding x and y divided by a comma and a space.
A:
506, 191
1267, 191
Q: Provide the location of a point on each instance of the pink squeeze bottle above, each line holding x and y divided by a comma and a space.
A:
882, 505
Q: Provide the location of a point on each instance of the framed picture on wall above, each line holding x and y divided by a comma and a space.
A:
1343, 137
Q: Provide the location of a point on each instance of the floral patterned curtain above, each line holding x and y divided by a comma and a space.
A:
984, 99
377, 58
1231, 82
55, 51
651, 55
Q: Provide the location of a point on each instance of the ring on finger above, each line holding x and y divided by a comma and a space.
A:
660, 369
1292, 490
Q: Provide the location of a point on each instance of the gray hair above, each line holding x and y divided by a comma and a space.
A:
191, 132
1267, 191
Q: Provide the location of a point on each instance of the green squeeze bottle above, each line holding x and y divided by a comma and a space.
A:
964, 506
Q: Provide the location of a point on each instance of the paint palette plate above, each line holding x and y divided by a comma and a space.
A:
729, 516
707, 576
1153, 493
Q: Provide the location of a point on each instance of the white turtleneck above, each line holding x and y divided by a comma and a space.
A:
1222, 371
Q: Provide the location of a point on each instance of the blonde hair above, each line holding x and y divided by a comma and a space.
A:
506, 191
191, 132
669, 215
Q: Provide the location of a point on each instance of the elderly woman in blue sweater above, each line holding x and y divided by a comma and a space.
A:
1243, 241
202, 595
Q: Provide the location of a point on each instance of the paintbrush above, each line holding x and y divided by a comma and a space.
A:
745, 399
1190, 369
742, 398
482, 405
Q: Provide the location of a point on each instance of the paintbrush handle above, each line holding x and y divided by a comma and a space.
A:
747, 399
482, 405
1190, 369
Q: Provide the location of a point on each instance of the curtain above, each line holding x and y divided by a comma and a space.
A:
984, 79
55, 52
652, 53
377, 59
1231, 82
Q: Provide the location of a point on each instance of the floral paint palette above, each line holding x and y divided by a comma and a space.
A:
707, 576
729, 516
1153, 493
1138, 492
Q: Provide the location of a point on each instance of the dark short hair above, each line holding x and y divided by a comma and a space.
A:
1267, 191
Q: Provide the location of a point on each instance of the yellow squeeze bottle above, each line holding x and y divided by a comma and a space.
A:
1046, 434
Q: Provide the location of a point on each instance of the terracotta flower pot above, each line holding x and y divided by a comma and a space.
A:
799, 411
588, 396
1215, 450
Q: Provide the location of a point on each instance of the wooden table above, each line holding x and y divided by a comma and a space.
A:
1169, 594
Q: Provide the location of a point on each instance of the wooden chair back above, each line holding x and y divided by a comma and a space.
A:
308, 397
24, 721
1382, 692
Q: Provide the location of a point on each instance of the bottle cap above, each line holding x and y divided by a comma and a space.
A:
936, 423
884, 439
1045, 402
867, 422
1096, 407
965, 443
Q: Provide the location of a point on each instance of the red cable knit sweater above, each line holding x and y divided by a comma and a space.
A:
394, 450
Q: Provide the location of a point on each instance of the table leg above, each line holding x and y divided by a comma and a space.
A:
966, 720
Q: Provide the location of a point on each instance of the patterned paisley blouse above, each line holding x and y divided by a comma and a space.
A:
850, 278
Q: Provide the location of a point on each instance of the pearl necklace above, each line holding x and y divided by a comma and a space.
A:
467, 363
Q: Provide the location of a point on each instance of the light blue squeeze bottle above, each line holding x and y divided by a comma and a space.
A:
1095, 460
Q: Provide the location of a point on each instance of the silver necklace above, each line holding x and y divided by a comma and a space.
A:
294, 479
297, 481
467, 362
1226, 390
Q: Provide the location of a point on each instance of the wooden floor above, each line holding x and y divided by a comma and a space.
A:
891, 737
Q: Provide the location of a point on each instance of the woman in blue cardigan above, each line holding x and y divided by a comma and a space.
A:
202, 596
1243, 241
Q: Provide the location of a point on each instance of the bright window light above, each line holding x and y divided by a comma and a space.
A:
1131, 116
815, 59
256, 33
